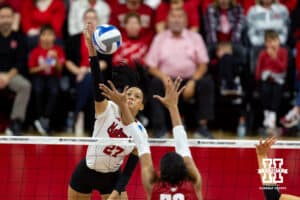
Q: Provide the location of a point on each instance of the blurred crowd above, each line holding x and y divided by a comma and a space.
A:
238, 59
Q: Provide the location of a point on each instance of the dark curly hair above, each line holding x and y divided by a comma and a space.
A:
125, 76
173, 169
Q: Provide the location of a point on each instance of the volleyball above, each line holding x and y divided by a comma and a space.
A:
107, 39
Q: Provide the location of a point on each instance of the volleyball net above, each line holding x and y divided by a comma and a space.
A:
41, 167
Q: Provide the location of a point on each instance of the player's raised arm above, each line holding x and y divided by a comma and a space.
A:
271, 191
170, 101
100, 101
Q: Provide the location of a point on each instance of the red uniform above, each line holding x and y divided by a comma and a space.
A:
54, 15
164, 191
275, 65
130, 51
38, 56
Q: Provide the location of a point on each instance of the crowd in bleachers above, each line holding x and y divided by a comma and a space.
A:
238, 59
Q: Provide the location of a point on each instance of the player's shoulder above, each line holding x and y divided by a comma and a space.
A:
141, 127
111, 109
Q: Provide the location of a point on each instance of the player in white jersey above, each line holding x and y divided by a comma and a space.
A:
100, 170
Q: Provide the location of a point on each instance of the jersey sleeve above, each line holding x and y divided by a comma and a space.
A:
142, 129
111, 109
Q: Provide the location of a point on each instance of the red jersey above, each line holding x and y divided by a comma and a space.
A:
39, 56
147, 18
276, 65
130, 51
164, 191
54, 15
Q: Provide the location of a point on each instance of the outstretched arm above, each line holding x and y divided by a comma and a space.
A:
100, 101
270, 190
170, 101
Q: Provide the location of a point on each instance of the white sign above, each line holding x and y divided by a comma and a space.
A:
272, 170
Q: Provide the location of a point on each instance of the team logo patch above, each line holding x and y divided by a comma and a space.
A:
115, 132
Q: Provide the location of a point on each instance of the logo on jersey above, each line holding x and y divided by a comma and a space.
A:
177, 196
272, 170
115, 132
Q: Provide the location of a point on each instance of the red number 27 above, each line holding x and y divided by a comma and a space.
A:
113, 150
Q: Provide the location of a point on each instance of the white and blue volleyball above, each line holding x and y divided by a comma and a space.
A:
107, 39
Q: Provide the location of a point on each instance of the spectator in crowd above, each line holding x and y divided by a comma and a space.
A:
224, 22
36, 13
266, 15
45, 65
78, 64
295, 23
152, 3
204, 6
229, 73
180, 52
134, 47
77, 9
270, 72
15, 4
11, 61
147, 16
290, 4
292, 118
164, 7
228, 69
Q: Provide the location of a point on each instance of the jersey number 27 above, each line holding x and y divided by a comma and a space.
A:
177, 196
113, 150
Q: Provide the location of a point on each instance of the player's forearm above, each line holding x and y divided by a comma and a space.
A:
126, 173
126, 116
175, 115
97, 78
260, 160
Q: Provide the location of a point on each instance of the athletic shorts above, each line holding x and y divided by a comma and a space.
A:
85, 180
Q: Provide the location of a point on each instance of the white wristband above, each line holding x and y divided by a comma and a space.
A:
140, 138
181, 141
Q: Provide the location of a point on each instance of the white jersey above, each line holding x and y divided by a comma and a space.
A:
108, 125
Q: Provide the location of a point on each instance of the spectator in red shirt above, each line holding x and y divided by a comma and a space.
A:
270, 72
147, 16
45, 64
134, 47
163, 10
36, 13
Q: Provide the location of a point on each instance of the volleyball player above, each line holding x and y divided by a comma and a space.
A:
271, 191
100, 169
179, 177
